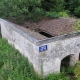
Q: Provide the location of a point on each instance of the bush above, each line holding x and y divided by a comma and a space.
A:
37, 14
53, 14
77, 11
73, 6
70, 70
64, 13
77, 71
20, 10
76, 26
55, 5
61, 76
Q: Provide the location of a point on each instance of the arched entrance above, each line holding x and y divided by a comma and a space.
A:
69, 60
0, 31
65, 62
79, 56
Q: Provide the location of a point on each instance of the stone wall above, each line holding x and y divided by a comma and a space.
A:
45, 55
57, 51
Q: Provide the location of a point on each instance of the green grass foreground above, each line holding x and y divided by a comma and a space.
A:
14, 66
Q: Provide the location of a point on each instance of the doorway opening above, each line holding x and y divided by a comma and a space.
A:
79, 56
0, 31
65, 63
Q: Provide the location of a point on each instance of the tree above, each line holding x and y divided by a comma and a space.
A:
55, 5
73, 6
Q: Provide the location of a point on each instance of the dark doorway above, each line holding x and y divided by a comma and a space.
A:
79, 56
0, 31
65, 62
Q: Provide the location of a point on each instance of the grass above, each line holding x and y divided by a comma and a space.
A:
77, 71
14, 66
76, 26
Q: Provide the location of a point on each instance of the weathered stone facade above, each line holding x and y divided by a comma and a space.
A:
45, 55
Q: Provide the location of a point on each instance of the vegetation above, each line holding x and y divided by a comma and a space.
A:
20, 10
14, 66
76, 26
30, 9
77, 71
73, 6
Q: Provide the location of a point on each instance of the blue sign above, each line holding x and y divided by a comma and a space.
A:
43, 48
